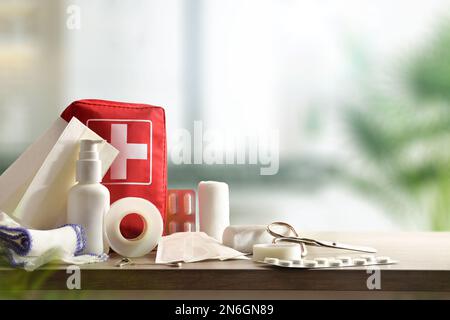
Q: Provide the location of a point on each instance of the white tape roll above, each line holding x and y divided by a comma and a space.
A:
152, 227
282, 251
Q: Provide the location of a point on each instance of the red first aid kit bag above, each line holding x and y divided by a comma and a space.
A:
138, 131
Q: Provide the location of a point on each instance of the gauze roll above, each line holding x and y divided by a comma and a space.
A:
243, 237
214, 208
29, 249
116, 226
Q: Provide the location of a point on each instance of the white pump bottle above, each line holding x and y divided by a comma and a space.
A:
88, 200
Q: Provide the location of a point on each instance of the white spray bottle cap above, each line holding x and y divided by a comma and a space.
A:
89, 166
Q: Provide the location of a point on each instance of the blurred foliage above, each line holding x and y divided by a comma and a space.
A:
430, 75
21, 284
18, 282
404, 136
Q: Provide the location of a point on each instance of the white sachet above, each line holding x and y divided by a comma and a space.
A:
193, 247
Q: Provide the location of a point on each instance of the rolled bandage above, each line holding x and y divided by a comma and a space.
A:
144, 214
282, 251
243, 237
30, 249
34, 243
214, 208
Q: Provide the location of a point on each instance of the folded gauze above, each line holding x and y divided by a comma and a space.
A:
193, 247
29, 249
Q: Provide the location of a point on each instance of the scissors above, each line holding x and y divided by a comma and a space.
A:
311, 242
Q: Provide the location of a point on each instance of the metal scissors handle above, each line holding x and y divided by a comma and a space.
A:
311, 242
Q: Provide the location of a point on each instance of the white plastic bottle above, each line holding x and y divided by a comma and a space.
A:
88, 200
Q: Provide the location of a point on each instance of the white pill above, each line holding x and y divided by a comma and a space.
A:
359, 261
271, 260
368, 257
383, 259
335, 263
187, 204
173, 203
310, 263
345, 259
285, 263
296, 262
321, 260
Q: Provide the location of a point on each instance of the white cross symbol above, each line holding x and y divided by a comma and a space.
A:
119, 137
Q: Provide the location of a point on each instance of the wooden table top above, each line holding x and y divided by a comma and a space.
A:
424, 265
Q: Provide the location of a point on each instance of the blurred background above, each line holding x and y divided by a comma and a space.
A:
358, 90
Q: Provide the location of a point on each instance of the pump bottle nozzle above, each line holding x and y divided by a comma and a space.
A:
89, 164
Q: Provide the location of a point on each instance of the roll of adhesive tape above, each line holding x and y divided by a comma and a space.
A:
143, 213
282, 251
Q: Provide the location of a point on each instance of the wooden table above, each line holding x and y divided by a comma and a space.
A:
423, 271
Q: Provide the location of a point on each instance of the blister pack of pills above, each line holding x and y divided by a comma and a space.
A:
181, 212
330, 262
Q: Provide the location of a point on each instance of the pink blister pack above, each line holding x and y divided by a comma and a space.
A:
181, 211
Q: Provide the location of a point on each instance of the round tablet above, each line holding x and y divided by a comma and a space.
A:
310, 263
359, 261
285, 263
368, 257
345, 259
383, 259
321, 260
335, 263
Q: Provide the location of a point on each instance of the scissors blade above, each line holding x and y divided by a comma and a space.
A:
337, 245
